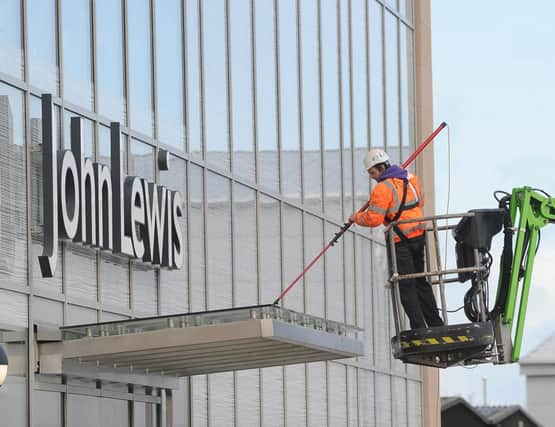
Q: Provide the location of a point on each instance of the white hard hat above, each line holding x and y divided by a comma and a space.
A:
375, 157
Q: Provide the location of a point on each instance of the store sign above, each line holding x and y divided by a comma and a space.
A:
99, 206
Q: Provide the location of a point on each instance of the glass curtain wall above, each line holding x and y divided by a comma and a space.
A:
267, 108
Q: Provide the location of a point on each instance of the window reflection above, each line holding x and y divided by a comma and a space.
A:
145, 290
215, 83
174, 284
314, 280
269, 252
76, 52
376, 75
266, 114
41, 31
218, 242
406, 55
244, 245
142, 160
346, 118
392, 85
13, 212
169, 73
359, 103
109, 55
139, 60
88, 147
241, 89
312, 163
114, 281
289, 101
293, 256
196, 236
330, 111
11, 51
192, 59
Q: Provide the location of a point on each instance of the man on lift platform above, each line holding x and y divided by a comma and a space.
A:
397, 197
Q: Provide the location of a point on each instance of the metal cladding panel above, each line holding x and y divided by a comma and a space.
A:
186, 351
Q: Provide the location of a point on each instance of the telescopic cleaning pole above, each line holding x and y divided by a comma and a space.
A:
346, 225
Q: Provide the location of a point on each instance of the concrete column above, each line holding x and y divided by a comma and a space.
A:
431, 405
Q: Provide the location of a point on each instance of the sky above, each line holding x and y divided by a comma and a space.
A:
494, 84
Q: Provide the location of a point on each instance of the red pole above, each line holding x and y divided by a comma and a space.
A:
346, 225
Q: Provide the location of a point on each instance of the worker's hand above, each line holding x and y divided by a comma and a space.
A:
353, 217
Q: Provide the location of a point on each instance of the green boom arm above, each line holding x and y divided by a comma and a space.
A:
532, 210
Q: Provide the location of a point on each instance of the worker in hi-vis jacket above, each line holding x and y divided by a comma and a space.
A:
398, 196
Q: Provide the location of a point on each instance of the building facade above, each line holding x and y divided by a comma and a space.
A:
266, 108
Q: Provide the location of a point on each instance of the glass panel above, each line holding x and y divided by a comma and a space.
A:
352, 400
139, 63
181, 404
113, 413
272, 396
11, 48
48, 311
399, 390
414, 403
293, 256
266, 114
192, 74
43, 51
53, 284
367, 398
337, 380
407, 111
83, 411
383, 400
367, 306
104, 154
377, 115
145, 291
13, 309
392, 86
174, 284
80, 272
310, 81
350, 281
76, 52
142, 160
381, 306
244, 245
199, 393
47, 409
392, 3
247, 397
196, 236
335, 287
13, 212
346, 117
269, 256
295, 395
314, 278
330, 111
289, 101
215, 83
360, 102
317, 394
241, 89
88, 147
218, 242
114, 281
169, 73
221, 399
110, 61
77, 315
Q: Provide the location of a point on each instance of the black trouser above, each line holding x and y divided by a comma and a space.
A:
417, 296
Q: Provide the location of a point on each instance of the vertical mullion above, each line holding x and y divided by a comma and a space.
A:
125, 47
278, 97
300, 95
201, 75
153, 74
229, 93
254, 93
399, 90
384, 78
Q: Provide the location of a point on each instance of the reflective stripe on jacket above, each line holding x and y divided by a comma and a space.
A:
385, 201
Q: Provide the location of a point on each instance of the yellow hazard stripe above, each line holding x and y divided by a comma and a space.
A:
436, 341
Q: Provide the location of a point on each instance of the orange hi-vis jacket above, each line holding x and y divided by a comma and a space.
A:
385, 202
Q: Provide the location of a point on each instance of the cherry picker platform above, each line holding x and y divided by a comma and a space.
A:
490, 336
